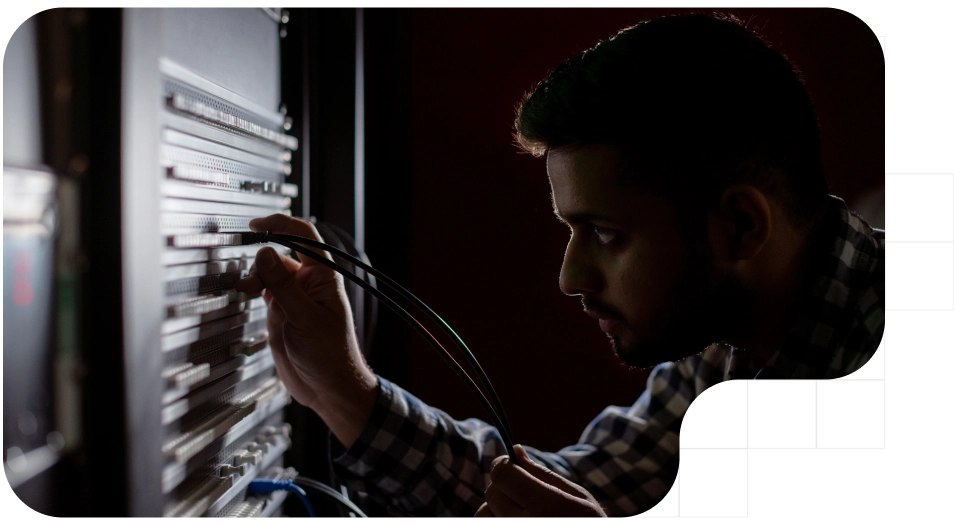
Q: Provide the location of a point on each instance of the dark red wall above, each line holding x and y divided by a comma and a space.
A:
480, 244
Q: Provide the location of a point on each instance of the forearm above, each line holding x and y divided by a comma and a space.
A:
345, 399
419, 461
628, 457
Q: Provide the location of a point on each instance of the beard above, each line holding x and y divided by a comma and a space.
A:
649, 354
699, 311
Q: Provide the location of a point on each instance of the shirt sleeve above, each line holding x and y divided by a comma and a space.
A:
416, 460
628, 457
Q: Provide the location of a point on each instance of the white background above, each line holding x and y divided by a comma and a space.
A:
875, 446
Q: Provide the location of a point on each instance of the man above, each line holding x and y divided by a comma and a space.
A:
684, 156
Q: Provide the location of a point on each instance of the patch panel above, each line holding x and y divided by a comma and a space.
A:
222, 162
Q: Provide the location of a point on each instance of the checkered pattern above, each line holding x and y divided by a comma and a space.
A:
416, 460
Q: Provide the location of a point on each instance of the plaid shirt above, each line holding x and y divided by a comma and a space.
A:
416, 460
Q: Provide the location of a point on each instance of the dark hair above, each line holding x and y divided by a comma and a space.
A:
697, 102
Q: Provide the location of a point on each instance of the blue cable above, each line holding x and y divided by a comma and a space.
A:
267, 486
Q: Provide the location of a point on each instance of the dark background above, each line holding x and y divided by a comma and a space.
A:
464, 221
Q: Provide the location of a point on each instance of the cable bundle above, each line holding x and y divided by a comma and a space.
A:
492, 406
324, 490
267, 486
300, 486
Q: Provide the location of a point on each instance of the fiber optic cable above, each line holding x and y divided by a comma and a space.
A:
420, 304
325, 490
292, 241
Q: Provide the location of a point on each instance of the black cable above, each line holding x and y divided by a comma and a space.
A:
469, 381
321, 488
336, 236
420, 304
281, 239
360, 254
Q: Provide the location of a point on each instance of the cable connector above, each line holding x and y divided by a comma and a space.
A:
267, 486
254, 237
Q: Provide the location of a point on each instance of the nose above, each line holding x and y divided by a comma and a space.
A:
579, 274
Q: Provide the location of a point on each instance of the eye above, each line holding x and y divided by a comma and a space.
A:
603, 235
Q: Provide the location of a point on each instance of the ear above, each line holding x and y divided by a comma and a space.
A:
744, 221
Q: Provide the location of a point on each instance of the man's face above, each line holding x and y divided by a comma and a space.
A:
653, 287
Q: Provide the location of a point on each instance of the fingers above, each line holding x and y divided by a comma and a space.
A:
484, 512
280, 282
518, 484
500, 504
548, 476
268, 298
522, 457
280, 223
253, 284
288, 373
276, 340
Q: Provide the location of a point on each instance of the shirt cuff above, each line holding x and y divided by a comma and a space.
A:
392, 446
380, 411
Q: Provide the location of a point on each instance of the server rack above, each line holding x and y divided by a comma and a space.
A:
33, 431
175, 134
203, 151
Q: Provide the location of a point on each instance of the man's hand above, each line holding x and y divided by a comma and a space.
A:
311, 332
530, 489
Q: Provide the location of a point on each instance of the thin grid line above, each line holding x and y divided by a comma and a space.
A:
883, 419
784, 448
851, 448
679, 481
747, 448
919, 309
684, 517
714, 448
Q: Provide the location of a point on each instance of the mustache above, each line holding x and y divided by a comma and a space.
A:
601, 310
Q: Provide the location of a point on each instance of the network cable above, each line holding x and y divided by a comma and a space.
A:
365, 265
267, 486
325, 490
498, 421
339, 237
420, 328
495, 410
